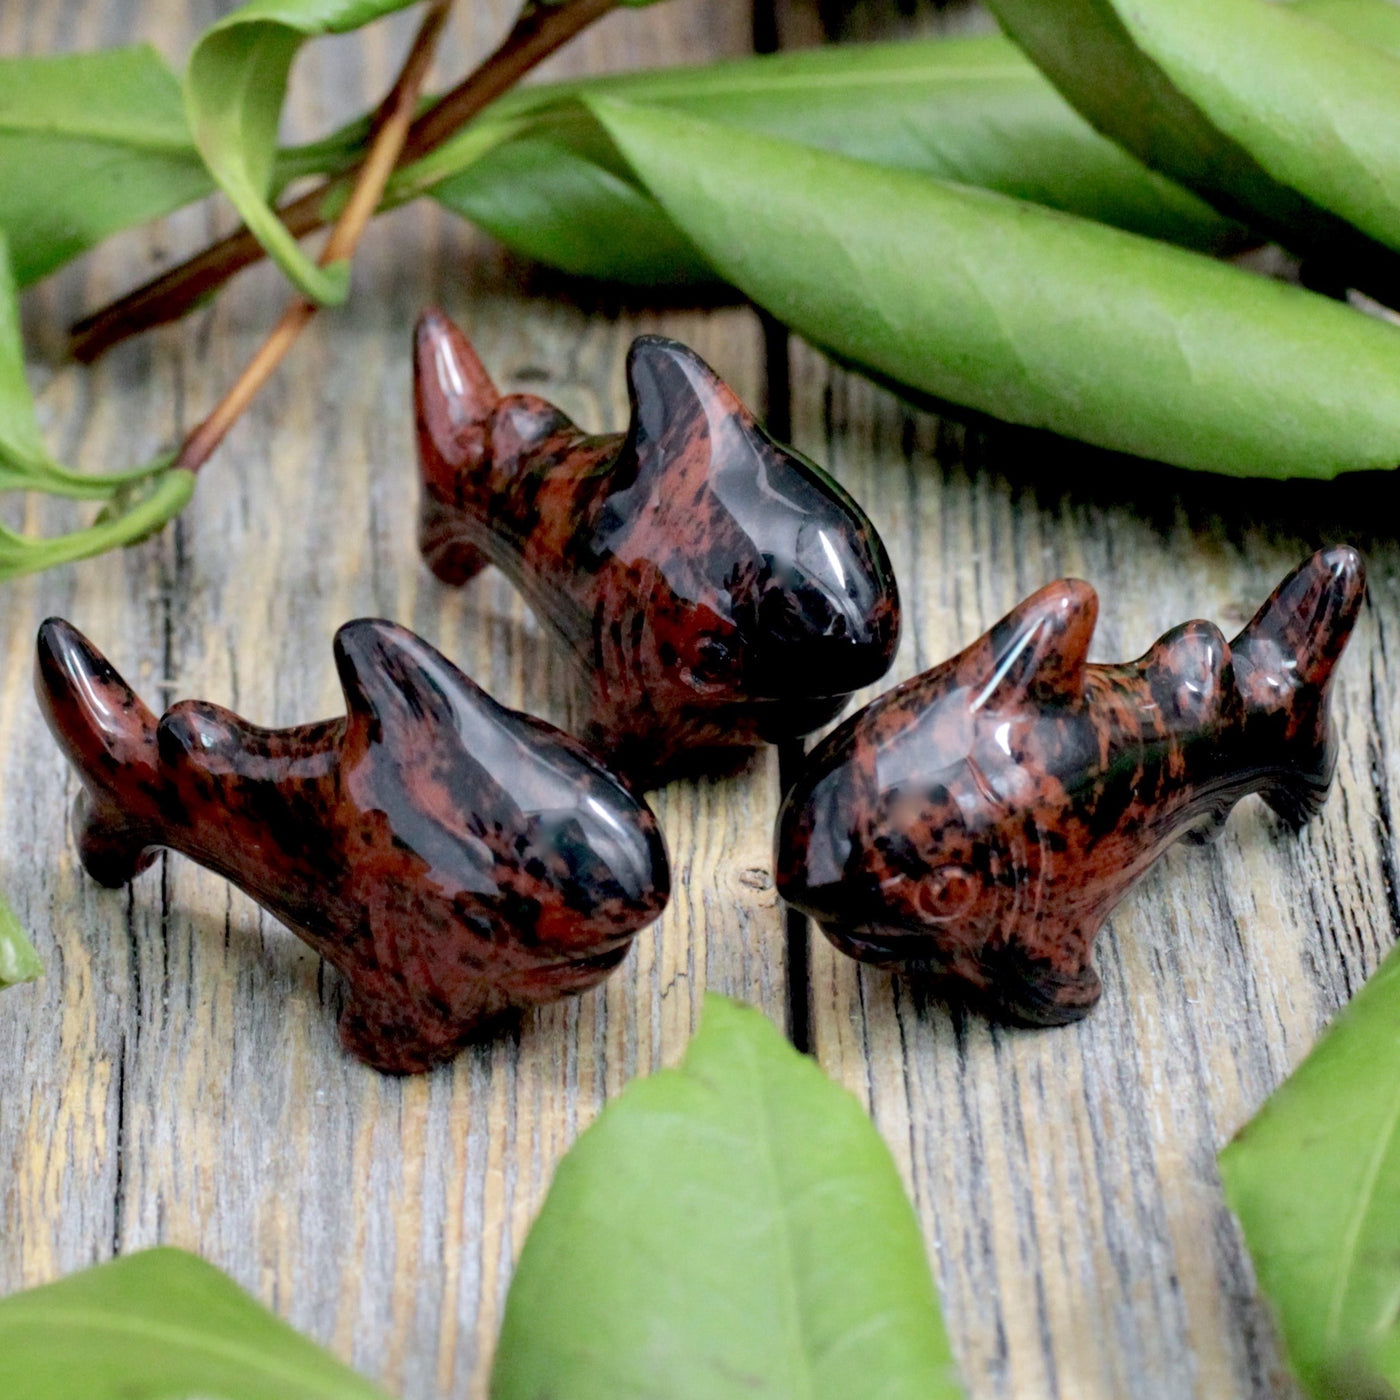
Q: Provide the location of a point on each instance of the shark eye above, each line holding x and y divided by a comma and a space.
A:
712, 662
947, 892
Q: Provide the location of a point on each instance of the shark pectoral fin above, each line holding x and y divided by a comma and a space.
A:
1034, 990
546, 982
1039, 649
113, 850
444, 551
1298, 799
396, 1036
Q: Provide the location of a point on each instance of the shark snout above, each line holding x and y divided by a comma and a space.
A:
816, 847
827, 631
625, 874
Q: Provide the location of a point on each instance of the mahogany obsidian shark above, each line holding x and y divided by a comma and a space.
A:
453, 858
982, 819
713, 588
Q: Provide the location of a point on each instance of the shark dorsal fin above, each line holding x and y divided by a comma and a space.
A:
394, 682
1040, 648
675, 395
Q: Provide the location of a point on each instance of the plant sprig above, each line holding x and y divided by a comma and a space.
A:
114, 115
391, 130
134, 502
604, 216
539, 31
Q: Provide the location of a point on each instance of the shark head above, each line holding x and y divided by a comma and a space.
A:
498, 804
915, 834
790, 572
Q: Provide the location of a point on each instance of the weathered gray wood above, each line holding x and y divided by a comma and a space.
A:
176, 1075
176, 1078
1067, 1179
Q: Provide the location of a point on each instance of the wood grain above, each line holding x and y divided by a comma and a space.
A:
1066, 1179
176, 1075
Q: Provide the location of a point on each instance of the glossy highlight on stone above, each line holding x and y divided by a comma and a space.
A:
712, 588
454, 859
980, 821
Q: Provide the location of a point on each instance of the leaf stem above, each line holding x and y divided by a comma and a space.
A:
538, 31
391, 133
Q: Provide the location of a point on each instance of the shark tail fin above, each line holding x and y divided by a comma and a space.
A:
454, 400
109, 736
1284, 661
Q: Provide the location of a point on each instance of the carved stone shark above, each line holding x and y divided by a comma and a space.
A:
453, 858
712, 588
982, 819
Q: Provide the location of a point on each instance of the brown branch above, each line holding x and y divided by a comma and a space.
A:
391, 134
537, 33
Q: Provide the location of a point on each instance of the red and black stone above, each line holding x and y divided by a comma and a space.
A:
713, 589
454, 859
980, 821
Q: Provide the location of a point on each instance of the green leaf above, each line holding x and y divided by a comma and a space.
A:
1269, 113
970, 109
729, 1230
25, 463
159, 1325
1374, 22
18, 960
22, 451
234, 88
548, 196
1027, 314
89, 144
1315, 1181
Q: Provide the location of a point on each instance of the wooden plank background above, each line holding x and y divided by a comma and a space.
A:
176, 1078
